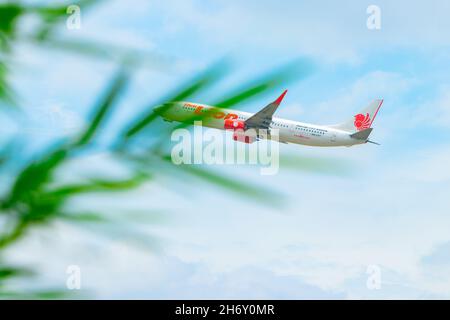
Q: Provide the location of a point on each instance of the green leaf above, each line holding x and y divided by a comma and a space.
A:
232, 184
9, 12
99, 185
296, 70
103, 107
195, 85
37, 294
99, 50
47, 204
34, 176
7, 94
60, 11
12, 272
15, 234
51, 15
50, 294
83, 217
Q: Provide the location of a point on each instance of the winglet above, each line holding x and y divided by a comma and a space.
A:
280, 98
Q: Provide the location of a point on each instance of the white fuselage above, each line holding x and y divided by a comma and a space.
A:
289, 131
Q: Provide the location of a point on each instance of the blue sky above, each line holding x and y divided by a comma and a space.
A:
391, 211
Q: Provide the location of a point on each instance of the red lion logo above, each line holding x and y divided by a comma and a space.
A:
362, 121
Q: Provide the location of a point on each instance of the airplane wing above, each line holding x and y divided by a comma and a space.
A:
263, 118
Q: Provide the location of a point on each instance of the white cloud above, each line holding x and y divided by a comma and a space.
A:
373, 85
434, 268
428, 165
434, 113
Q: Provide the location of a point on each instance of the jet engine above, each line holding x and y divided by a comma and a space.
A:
234, 124
248, 136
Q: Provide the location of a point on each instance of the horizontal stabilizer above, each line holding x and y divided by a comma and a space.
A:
362, 135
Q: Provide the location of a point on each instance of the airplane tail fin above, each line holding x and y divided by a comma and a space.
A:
362, 120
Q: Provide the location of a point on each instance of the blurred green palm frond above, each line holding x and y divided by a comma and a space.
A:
32, 198
49, 19
187, 90
9, 15
7, 94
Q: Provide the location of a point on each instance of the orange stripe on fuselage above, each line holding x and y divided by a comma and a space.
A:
214, 112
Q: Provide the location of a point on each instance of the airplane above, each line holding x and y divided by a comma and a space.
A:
246, 126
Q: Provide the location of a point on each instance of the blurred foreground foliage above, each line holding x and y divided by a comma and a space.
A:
37, 196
